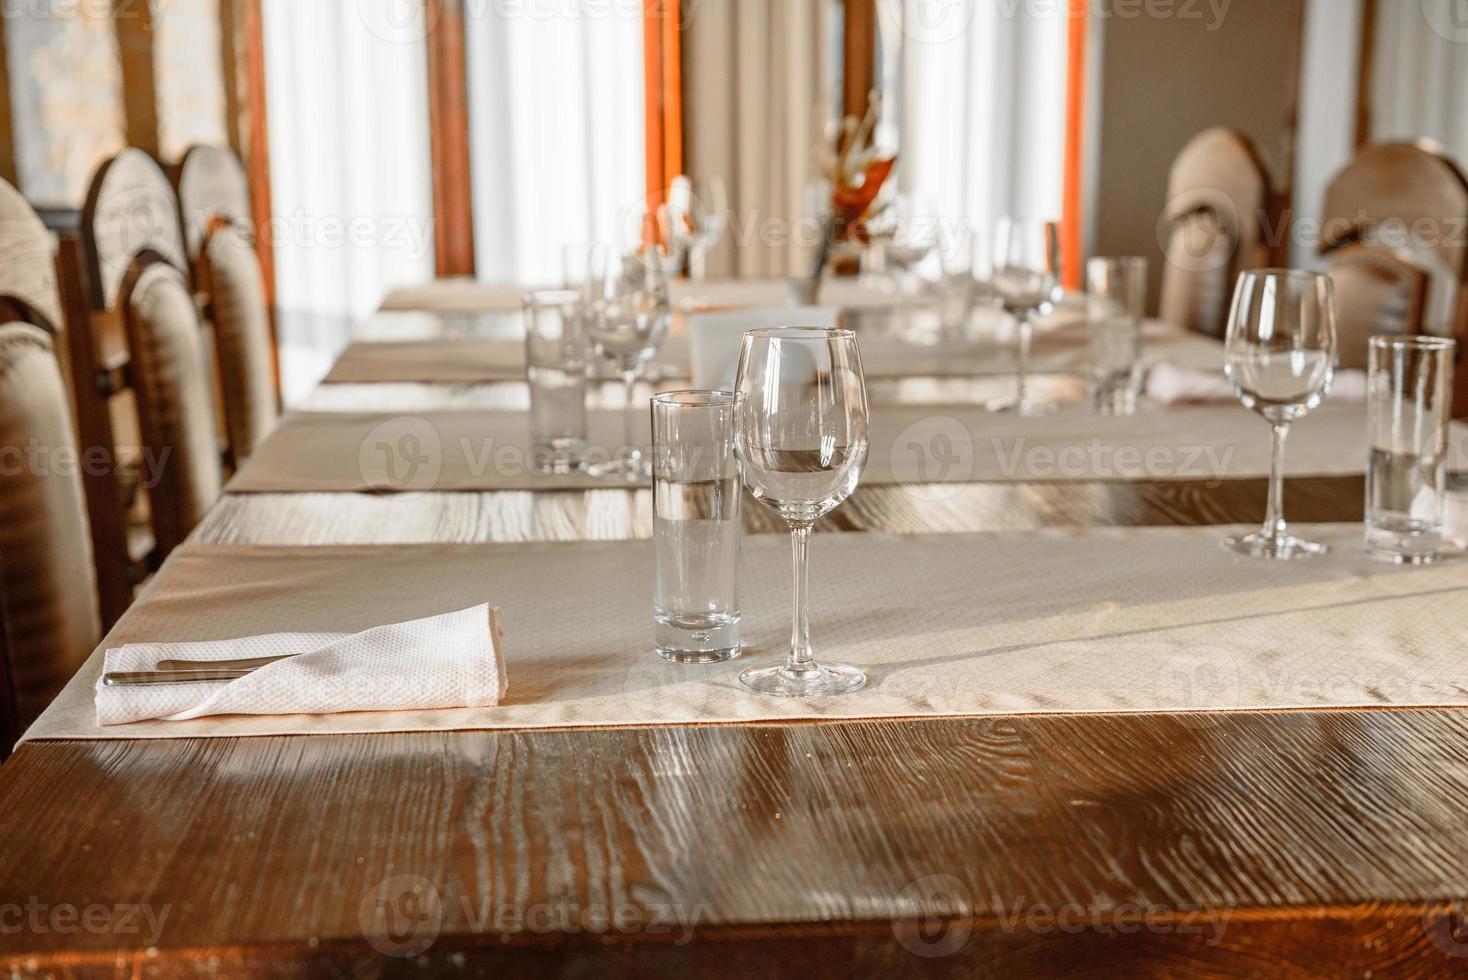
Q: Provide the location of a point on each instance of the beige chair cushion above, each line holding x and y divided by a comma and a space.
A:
47, 579
242, 331
175, 403
1197, 284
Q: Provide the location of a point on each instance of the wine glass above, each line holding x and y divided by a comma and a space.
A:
692, 220
800, 437
1281, 352
628, 323
1027, 280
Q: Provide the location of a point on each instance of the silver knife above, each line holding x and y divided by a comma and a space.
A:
250, 664
185, 671
122, 678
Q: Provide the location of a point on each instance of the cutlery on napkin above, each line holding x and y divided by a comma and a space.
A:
450, 660
1173, 384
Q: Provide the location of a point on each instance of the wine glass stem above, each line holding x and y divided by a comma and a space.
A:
629, 412
1274, 521
1024, 357
800, 656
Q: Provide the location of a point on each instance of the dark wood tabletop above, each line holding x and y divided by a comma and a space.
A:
1320, 843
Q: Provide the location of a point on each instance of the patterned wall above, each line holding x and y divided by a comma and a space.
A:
65, 90
190, 76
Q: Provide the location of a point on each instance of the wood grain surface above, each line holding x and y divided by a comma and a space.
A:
1301, 844
1296, 844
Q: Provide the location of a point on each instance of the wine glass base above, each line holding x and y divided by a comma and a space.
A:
1280, 547
1024, 408
627, 470
816, 681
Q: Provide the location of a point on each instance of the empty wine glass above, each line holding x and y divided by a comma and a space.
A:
801, 441
628, 323
1027, 280
1281, 351
693, 219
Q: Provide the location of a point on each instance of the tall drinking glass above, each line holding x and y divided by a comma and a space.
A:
555, 367
801, 440
1281, 352
1027, 279
628, 323
957, 289
1116, 293
696, 530
1409, 394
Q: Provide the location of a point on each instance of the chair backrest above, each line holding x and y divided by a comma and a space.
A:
27, 256
130, 208
1413, 200
214, 208
174, 398
1409, 201
229, 274
212, 186
130, 212
1376, 292
48, 584
1220, 207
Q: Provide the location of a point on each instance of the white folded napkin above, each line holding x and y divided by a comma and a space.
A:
451, 660
1174, 384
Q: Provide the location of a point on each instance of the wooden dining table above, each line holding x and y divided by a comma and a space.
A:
1251, 843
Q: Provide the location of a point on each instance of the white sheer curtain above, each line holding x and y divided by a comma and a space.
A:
982, 108
556, 130
350, 172
1421, 73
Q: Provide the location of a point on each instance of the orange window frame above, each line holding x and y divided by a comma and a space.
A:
662, 66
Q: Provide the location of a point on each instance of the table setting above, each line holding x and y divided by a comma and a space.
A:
425, 637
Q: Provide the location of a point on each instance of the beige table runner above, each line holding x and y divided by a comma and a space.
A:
885, 354
463, 360
1109, 620
910, 444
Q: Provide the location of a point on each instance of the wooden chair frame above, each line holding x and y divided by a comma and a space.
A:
130, 209
213, 192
